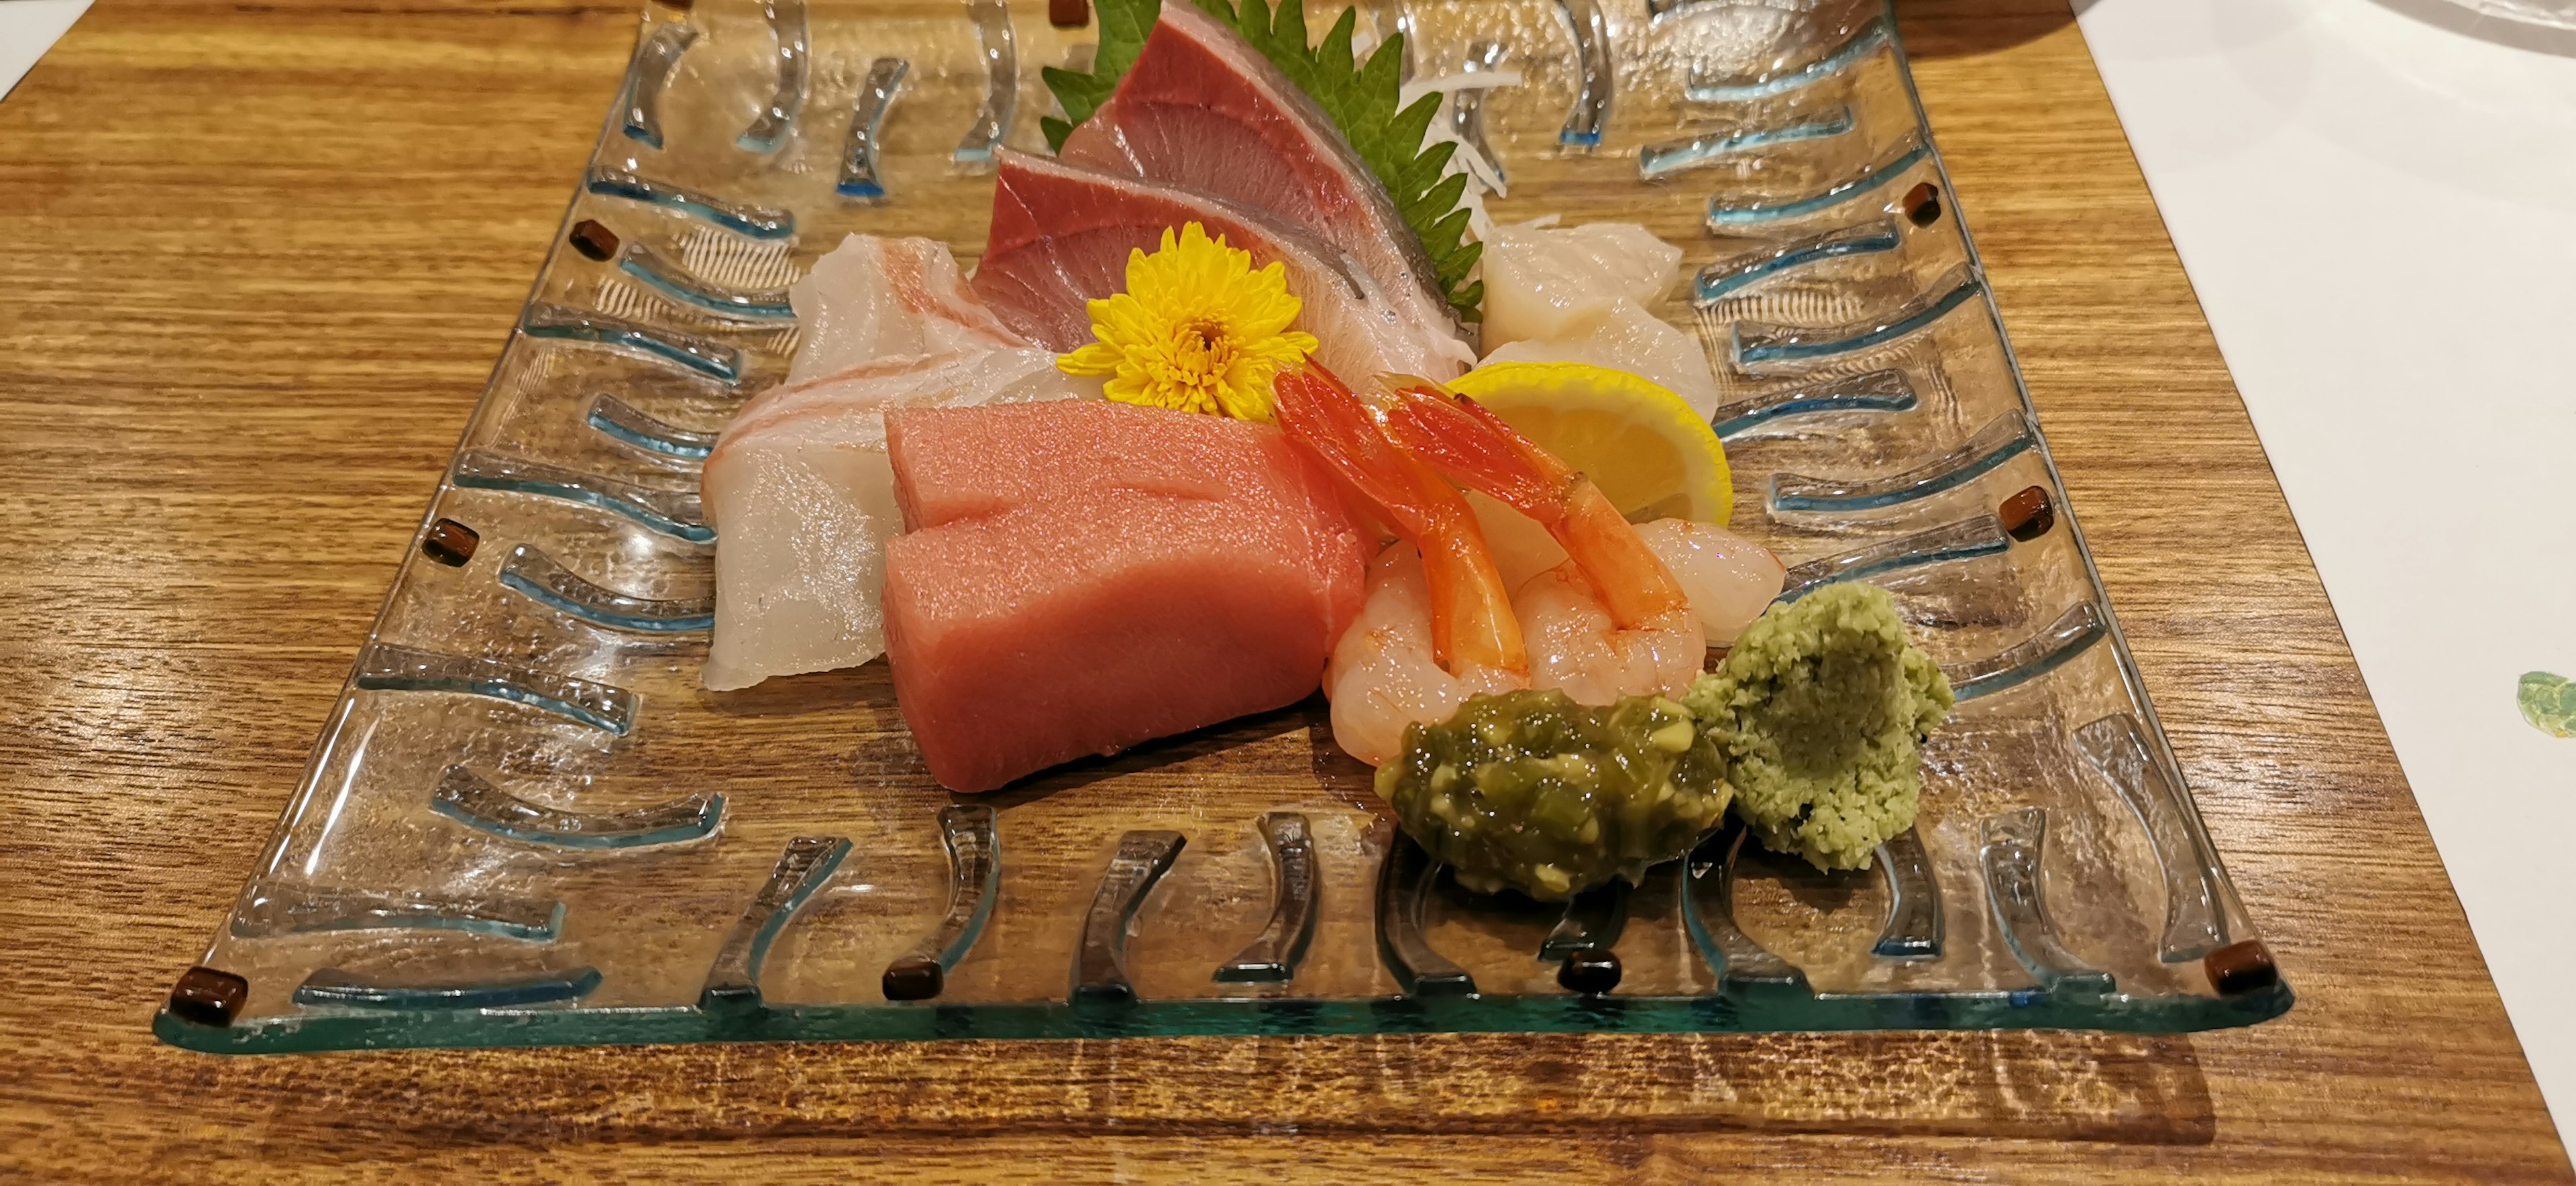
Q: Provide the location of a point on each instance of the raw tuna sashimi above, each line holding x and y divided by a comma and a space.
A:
1061, 238
948, 468
799, 489
1202, 108
947, 472
873, 298
1095, 599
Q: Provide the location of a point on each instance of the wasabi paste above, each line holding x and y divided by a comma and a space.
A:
1820, 709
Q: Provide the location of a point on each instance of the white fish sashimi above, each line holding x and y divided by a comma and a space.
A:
802, 499
873, 298
1581, 294
799, 489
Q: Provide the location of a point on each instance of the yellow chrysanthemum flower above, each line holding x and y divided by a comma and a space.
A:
1197, 330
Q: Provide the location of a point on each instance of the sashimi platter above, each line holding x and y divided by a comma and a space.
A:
1155, 517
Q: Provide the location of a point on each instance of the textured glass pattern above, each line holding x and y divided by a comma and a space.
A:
526, 822
1273, 955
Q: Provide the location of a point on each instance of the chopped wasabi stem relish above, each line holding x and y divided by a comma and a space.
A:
1531, 791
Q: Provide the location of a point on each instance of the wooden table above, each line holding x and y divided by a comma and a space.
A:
254, 263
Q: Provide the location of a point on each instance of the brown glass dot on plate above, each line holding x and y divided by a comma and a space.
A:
913, 978
449, 542
1923, 204
2241, 968
1590, 971
2029, 514
1068, 14
593, 240
208, 997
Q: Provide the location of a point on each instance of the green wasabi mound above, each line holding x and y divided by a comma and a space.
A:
1820, 709
1531, 791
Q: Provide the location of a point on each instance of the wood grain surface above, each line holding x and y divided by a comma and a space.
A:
255, 260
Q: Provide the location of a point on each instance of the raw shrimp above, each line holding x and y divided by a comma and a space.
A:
1730, 579
1609, 622
1437, 625
1383, 677
1576, 647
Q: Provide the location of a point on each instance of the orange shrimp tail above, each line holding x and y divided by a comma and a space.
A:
1322, 417
1472, 623
1471, 613
1471, 445
1474, 448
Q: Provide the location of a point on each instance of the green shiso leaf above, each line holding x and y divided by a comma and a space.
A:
1360, 99
1124, 25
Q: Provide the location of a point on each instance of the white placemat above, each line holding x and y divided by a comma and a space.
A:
27, 29
2378, 211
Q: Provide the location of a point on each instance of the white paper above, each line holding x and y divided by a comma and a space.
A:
2379, 216
27, 29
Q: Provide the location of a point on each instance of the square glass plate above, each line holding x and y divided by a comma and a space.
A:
526, 823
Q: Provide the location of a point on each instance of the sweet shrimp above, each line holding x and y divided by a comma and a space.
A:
1609, 622
1437, 626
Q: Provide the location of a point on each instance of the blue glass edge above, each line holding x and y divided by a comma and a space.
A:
708, 818
987, 894
1847, 191
1754, 1013
571, 987
1905, 402
1967, 551
674, 289
497, 690
696, 533
1814, 72
1870, 502
1711, 290
597, 617
2013, 677
1651, 165
648, 443
806, 887
634, 340
1907, 948
783, 229
1802, 351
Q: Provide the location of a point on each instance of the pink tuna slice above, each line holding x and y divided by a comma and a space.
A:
1202, 108
1069, 596
947, 468
1062, 235
949, 472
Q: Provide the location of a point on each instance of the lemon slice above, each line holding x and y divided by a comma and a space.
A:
1646, 449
